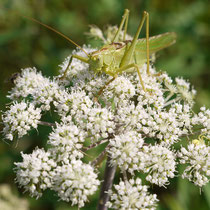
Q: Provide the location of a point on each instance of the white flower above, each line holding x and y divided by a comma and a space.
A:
48, 92
35, 173
131, 195
203, 119
19, 119
41, 90
75, 181
184, 90
100, 122
197, 158
96, 33
25, 84
74, 103
159, 162
78, 68
121, 88
66, 141
124, 150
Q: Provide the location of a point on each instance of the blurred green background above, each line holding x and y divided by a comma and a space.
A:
26, 44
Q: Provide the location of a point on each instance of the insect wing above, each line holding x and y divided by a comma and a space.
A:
156, 43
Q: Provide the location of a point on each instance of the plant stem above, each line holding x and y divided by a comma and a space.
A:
47, 124
107, 184
94, 145
171, 101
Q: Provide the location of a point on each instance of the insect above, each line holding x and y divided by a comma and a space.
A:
122, 56
13, 77
201, 139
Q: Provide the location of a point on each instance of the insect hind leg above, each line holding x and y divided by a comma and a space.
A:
147, 41
119, 71
123, 21
132, 65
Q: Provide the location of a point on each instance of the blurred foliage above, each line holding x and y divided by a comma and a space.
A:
24, 43
9, 201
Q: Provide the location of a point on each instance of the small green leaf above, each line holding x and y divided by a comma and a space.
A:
101, 102
113, 106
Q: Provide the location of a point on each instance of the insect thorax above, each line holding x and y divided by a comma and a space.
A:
107, 59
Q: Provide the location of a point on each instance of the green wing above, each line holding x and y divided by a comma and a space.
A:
156, 43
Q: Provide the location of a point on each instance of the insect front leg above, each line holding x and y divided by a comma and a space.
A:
124, 20
70, 61
102, 89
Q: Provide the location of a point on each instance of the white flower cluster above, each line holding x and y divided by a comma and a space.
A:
128, 152
40, 90
77, 67
108, 34
35, 172
66, 142
203, 119
131, 195
19, 119
75, 181
27, 83
159, 162
139, 128
197, 158
120, 89
183, 90
97, 121
72, 180
124, 150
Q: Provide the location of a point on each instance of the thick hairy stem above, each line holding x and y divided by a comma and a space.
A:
107, 184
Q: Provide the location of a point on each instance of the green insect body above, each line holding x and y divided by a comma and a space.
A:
109, 57
126, 55
122, 56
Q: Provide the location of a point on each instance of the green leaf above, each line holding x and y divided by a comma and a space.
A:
101, 102
113, 106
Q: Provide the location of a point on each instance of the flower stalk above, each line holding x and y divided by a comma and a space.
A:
106, 185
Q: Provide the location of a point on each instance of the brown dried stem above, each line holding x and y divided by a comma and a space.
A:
107, 184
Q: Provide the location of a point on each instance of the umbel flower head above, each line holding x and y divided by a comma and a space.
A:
75, 181
35, 173
137, 128
20, 118
159, 162
131, 195
197, 158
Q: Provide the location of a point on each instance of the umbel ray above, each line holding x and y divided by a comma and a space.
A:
122, 56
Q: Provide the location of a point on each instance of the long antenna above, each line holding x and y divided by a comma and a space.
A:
52, 29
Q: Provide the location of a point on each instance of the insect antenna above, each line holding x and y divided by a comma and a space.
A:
54, 30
